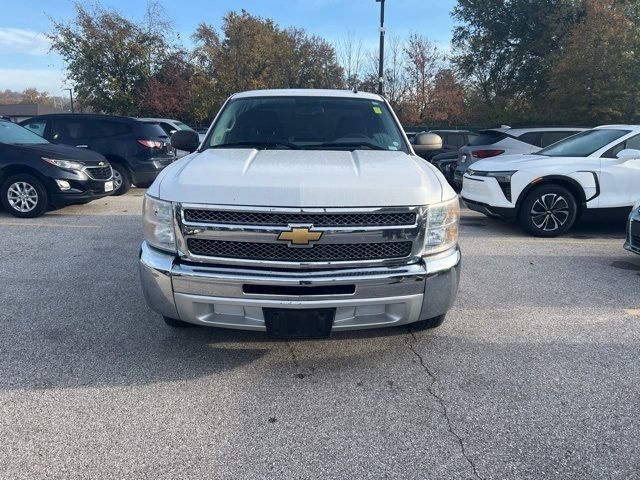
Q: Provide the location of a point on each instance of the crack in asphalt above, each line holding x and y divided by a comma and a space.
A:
440, 400
294, 357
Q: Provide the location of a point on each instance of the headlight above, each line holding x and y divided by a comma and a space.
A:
442, 226
158, 223
637, 205
67, 164
502, 177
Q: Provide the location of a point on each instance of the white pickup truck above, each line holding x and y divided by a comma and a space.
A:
301, 213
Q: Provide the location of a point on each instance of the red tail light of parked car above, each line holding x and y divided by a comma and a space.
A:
486, 153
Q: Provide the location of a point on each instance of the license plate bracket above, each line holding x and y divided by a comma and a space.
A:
299, 323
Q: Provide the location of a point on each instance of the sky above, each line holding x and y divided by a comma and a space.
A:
25, 60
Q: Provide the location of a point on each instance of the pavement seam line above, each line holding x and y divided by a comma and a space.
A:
440, 400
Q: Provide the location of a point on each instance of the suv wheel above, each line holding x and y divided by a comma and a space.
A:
24, 196
121, 180
548, 211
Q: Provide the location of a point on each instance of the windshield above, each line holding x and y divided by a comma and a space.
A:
583, 144
306, 123
17, 135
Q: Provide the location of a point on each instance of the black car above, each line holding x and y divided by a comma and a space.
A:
137, 150
446, 163
36, 174
452, 140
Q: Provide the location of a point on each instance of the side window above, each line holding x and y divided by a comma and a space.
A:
456, 140
470, 138
37, 126
549, 138
532, 138
106, 128
633, 142
168, 129
63, 130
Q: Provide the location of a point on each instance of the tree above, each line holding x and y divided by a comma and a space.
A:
595, 76
351, 57
448, 106
254, 53
504, 47
110, 58
32, 95
423, 61
168, 92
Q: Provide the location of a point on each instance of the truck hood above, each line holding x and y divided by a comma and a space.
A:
300, 178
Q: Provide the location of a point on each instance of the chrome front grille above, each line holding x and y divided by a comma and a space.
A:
251, 235
99, 173
283, 219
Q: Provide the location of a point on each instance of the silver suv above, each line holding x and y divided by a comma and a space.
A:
508, 141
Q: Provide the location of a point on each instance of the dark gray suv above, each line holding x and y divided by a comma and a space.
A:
137, 150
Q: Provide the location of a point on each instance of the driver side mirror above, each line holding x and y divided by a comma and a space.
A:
628, 154
185, 140
427, 142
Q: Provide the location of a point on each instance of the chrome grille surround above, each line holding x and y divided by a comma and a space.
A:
335, 236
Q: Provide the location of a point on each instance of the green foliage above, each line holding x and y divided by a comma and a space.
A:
549, 61
109, 57
133, 68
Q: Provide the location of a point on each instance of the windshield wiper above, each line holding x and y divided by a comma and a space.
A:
351, 145
257, 145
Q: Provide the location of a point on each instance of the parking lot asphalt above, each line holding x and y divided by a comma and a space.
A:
534, 374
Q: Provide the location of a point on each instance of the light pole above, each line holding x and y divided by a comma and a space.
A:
381, 56
70, 97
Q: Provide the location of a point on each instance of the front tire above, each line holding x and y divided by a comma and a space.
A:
175, 323
121, 180
24, 196
429, 323
548, 211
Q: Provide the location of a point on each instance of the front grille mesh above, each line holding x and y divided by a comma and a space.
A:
283, 253
99, 173
315, 219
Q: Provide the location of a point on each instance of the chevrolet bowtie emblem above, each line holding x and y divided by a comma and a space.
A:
299, 236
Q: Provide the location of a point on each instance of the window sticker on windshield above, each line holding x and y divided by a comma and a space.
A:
377, 109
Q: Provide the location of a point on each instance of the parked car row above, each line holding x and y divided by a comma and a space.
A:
136, 149
36, 174
59, 159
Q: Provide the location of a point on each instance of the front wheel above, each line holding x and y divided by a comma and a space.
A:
121, 180
548, 211
428, 323
24, 196
175, 323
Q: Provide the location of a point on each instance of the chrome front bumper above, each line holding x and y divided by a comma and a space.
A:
217, 296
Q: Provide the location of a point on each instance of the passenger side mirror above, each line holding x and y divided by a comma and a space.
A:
427, 142
185, 140
628, 154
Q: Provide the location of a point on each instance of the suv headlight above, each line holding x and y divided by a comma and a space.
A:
637, 205
158, 224
66, 164
442, 226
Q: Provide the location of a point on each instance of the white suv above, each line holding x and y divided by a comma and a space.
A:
549, 190
508, 141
